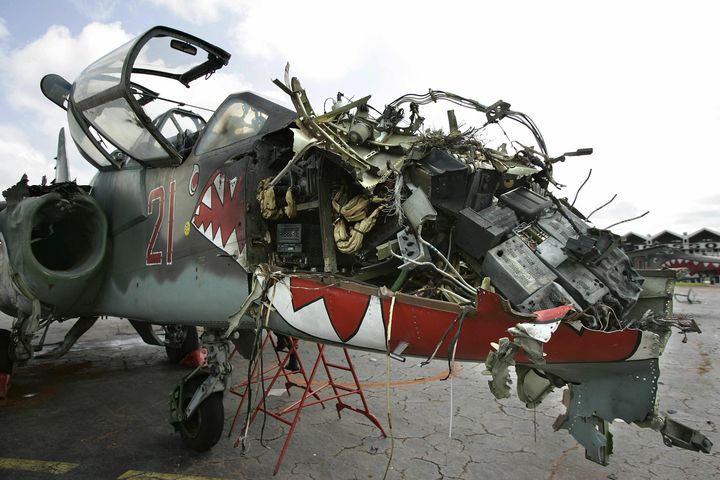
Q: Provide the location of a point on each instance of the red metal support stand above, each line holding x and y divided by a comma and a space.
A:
290, 414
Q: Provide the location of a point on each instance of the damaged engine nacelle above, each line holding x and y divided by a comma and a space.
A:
54, 246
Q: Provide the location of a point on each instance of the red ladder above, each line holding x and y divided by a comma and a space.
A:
290, 415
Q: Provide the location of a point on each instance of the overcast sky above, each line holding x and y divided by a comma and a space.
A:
637, 81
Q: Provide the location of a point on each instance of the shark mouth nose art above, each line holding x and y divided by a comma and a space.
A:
220, 212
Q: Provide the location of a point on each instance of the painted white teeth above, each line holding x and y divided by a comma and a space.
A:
232, 241
233, 184
217, 239
219, 184
207, 198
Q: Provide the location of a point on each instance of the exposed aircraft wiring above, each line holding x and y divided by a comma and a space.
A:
388, 397
170, 100
458, 321
253, 359
451, 409
611, 312
601, 206
260, 327
580, 188
450, 236
264, 397
262, 369
562, 212
444, 259
442, 339
453, 344
510, 142
626, 220
457, 298
292, 162
465, 287
451, 361
434, 95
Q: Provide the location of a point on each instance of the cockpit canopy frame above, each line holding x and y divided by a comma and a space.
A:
105, 106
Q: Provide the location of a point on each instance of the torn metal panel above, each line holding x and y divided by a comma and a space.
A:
529, 338
532, 387
329, 139
675, 434
418, 209
536, 331
656, 295
498, 367
599, 394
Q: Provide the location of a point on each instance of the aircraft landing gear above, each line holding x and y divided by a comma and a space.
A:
179, 341
196, 405
203, 428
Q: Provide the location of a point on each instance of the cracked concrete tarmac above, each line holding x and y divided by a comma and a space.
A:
104, 407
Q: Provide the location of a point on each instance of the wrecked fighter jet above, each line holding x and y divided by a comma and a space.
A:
357, 227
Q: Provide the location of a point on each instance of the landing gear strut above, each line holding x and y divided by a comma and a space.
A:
196, 405
179, 341
203, 428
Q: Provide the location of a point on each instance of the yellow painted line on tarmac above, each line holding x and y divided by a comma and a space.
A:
56, 468
139, 475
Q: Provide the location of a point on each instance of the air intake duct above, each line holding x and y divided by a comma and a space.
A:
56, 244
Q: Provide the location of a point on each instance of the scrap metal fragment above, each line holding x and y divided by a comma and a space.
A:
532, 388
591, 431
601, 393
498, 364
320, 131
690, 297
532, 347
418, 209
675, 434
257, 292
528, 337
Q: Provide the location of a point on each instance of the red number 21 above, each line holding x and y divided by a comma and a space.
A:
157, 194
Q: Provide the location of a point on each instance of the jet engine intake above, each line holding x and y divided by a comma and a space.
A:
55, 244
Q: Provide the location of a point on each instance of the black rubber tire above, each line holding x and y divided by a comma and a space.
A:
176, 353
6, 363
204, 428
